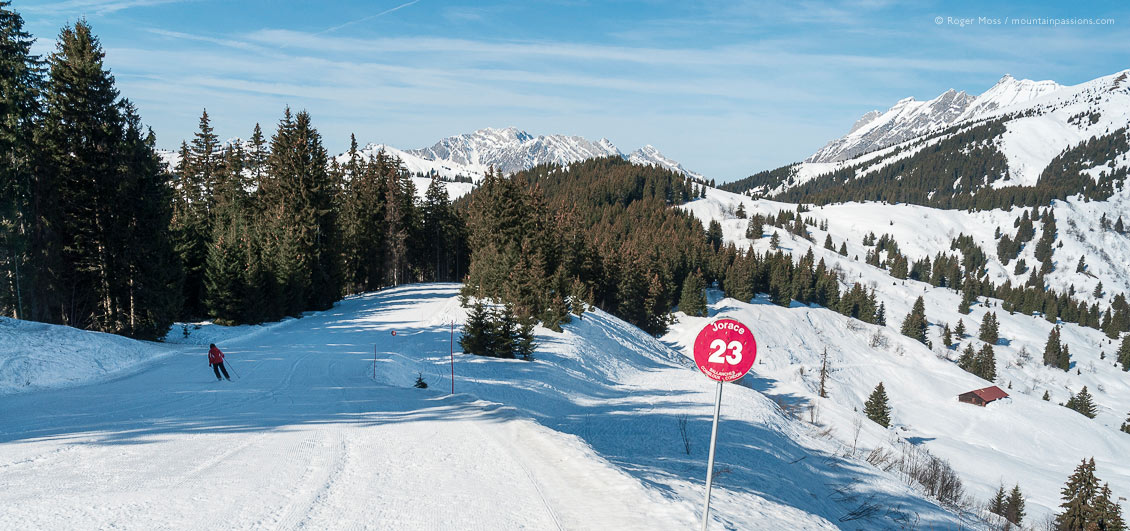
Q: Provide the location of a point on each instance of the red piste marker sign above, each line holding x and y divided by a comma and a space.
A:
725, 350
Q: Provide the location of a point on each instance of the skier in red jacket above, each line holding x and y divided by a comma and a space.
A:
216, 360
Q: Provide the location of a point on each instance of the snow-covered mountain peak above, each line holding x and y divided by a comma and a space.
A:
1008, 92
906, 119
649, 155
909, 118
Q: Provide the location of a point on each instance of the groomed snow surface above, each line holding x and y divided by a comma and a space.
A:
586, 436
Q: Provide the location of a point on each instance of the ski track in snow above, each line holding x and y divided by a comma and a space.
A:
584, 437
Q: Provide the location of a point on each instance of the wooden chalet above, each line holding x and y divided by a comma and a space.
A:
981, 397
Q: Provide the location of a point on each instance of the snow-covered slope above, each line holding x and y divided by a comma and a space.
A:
586, 436
1021, 440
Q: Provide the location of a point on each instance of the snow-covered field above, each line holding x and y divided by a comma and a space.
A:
1020, 440
584, 437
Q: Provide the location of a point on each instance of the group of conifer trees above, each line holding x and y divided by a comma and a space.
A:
272, 228
96, 233
84, 203
1088, 503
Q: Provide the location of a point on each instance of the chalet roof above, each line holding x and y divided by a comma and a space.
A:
990, 393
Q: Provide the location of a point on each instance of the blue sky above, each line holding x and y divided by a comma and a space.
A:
726, 88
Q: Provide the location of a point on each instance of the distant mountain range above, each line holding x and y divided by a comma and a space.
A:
957, 149
508, 150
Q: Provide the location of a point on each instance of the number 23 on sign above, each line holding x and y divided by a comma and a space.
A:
725, 350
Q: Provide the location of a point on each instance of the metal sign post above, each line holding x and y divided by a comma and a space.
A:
710, 460
453, 357
724, 351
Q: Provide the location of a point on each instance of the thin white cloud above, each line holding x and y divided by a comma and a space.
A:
97, 7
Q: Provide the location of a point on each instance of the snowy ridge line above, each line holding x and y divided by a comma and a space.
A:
1042, 119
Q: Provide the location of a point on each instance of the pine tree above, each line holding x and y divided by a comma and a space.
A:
828, 243
21, 234
1078, 498
997, 504
525, 345
1126, 425
968, 359
843, 249
191, 228
298, 195
1053, 349
714, 234
1108, 514
960, 329
477, 331
1047, 397
775, 241
1118, 227
1124, 353
947, 336
693, 298
107, 201
740, 212
914, 326
1098, 292
990, 329
876, 407
880, 313
967, 298
1082, 266
1014, 506
1083, 403
985, 363
755, 229
1064, 361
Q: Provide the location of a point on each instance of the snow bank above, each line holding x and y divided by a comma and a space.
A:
42, 356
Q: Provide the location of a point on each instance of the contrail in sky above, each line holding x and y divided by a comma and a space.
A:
370, 17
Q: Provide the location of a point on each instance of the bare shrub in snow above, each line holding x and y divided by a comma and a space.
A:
683, 433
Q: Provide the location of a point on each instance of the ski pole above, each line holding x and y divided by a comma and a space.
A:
233, 371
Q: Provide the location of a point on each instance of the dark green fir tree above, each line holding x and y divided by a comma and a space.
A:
877, 408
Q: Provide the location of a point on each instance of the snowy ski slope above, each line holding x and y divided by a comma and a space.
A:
584, 437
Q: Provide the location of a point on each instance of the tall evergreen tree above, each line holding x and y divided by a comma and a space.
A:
997, 504
1014, 506
1108, 514
914, 325
877, 408
693, 298
297, 199
1083, 403
196, 176
1078, 498
106, 254
1124, 353
990, 329
1053, 349
21, 79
